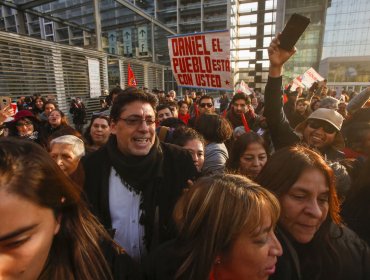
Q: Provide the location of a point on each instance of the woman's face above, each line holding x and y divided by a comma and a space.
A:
305, 206
49, 108
24, 127
301, 107
64, 156
27, 231
39, 104
196, 148
100, 131
184, 109
252, 160
316, 106
55, 119
251, 257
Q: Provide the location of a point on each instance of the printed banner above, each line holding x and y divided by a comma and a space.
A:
201, 60
142, 33
94, 77
127, 41
311, 76
297, 82
243, 88
112, 39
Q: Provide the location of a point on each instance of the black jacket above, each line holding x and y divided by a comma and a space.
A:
352, 259
162, 263
121, 265
178, 168
282, 134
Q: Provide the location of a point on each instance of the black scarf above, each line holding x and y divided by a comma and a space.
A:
136, 171
235, 119
142, 175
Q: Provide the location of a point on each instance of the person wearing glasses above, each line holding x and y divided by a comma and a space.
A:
321, 130
132, 183
26, 126
205, 105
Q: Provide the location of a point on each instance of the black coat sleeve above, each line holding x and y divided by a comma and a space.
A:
282, 134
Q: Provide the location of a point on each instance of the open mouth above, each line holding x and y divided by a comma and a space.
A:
141, 141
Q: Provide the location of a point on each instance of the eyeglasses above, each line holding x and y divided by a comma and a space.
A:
134, 121
28, 124
316, 124
208, 105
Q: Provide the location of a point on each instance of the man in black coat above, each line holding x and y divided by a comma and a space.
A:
134, 181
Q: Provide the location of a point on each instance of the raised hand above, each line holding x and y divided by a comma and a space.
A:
278, 57
6, 112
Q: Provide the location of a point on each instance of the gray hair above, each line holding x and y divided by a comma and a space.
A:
329, 103
78, 146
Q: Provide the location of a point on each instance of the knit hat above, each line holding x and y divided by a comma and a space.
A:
23, 114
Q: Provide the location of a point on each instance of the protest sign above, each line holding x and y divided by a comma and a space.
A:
243, 88
201, 60
311, 76
297, 82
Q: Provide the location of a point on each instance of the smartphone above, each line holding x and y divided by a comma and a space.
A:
5, 101
294, 28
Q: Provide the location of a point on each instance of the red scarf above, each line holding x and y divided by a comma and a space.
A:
184, 118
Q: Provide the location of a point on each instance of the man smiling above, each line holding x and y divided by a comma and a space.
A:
134, 181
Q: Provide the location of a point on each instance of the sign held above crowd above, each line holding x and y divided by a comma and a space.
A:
306, 79
201, 60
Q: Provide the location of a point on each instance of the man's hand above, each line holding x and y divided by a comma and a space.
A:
6, 112
278, 57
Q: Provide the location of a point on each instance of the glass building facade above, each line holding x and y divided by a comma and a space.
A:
347, 31
310, 44
254, 29
346, 47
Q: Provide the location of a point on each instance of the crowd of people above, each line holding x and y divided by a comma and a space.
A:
270, 186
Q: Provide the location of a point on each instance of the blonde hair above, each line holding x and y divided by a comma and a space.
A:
213, 213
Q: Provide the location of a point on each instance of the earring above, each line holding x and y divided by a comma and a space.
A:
218, 260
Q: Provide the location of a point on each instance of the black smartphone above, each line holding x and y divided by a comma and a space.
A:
294, 28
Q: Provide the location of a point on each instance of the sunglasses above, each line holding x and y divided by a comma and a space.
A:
208, 105
316, 124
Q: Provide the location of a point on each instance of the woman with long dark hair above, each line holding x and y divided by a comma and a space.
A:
316, 244
97, 133
248, 155
46, 230
56, 120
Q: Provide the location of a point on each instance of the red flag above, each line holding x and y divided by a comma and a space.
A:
131, 78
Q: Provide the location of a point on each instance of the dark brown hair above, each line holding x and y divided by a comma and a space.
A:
239, 147
285, 167
211, 215
214, 128
128, 96
26, 170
